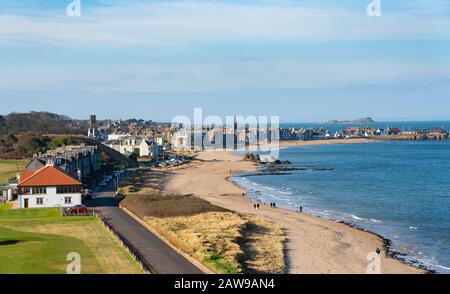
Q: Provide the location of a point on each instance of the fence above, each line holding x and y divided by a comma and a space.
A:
146, 267
66, 212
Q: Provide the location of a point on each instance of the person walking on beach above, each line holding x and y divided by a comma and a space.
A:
254, 206
257, 206
301, 209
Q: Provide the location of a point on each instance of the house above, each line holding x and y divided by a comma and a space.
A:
7, 193
380, 132
159, 139
409, 133
155, 150
141, 147
394, 131
49, 186
118, 136
77, 160
181, 140
339, 135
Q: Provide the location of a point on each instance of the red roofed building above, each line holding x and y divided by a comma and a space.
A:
49, 186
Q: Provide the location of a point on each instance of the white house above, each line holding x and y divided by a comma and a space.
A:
136, 145
115, 136
159, 139
181, 140
49, 186
7, 193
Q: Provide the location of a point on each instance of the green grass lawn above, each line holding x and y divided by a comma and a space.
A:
8, 169
5, 206
37, 241
28, 253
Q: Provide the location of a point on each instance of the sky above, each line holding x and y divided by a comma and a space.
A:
304, 60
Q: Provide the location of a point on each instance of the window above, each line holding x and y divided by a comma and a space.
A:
39, 190
67, 200
39, 201
67, 189
25, 190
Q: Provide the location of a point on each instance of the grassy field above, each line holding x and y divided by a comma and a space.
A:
37, 241
224, 241
5, 206
8, 169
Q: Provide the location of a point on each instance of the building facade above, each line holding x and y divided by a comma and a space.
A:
48, 187
77, 160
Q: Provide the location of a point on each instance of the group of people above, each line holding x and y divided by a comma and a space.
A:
257, 206
272, 205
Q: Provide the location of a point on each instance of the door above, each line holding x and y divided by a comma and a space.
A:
25, 203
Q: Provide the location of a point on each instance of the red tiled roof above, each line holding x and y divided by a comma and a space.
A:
25, 174
47, 176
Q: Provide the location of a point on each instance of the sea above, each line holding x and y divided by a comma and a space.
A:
397, 189
403, 125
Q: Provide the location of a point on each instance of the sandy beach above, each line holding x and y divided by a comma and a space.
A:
314, 245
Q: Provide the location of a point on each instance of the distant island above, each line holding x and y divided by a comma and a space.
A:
360, 121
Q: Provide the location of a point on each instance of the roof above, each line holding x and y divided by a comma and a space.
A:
26, 174
47, 176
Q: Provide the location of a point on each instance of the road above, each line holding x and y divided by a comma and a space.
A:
162, 258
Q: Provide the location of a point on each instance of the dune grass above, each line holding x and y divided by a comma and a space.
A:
211, 238
263, 247
9, 168
157, 205
37, 241
223, 241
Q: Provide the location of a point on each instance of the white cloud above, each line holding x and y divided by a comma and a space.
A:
231, 76
180, 23
189, 23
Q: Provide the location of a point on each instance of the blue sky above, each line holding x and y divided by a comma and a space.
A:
310, 60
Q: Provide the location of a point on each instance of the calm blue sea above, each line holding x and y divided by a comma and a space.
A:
404, 125
400, 190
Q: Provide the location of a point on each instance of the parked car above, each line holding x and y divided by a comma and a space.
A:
78, 209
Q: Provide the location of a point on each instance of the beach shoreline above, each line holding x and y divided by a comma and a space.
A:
293, 143
314, 245
387, 243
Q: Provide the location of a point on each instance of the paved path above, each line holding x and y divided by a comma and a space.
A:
162, 258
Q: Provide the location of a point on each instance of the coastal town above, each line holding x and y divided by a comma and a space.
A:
211, 145
128, 167
145, 143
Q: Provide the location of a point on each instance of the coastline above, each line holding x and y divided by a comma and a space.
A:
292, 143
314, 245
